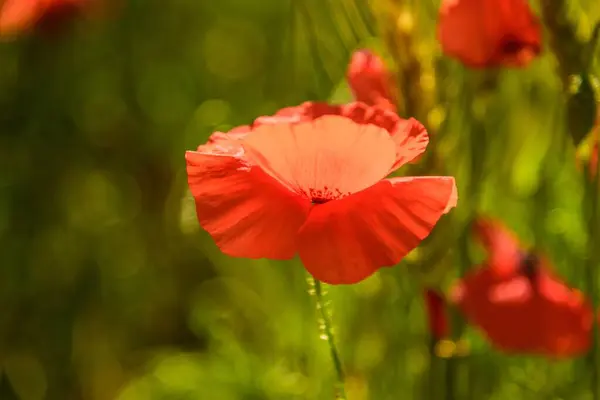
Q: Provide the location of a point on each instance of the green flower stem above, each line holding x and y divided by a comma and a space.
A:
592, 271
430, 382
326, 333
478, 85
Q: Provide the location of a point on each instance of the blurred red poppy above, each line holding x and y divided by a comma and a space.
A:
436, 314
370, 81
310, 181
46, 16
518, 302
489, 33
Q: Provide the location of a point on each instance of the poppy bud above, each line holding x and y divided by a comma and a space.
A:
370, 81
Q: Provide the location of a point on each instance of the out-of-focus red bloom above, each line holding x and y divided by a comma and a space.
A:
370, 81
47, 16
489, 33
310, 181
518, 302
436, 313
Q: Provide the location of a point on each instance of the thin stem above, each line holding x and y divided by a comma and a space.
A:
326, 330
595, 242
592, 270
477, 145
430, 385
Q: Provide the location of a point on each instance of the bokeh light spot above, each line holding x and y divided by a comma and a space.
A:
181, 372
212, 112
234, 49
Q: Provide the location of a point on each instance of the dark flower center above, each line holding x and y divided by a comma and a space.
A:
319, 200
529, 264
511, 45
322, 196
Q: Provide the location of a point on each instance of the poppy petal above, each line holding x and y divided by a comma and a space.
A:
489, 33
409, 135
568, 317
290, 114
502, 246
516, 290
411, 140
247, 213
324, 159
501, 308
568, 329
234, 134
345, 241
18, 15
549, 319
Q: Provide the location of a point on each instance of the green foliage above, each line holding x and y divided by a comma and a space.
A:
111, 291
581, 110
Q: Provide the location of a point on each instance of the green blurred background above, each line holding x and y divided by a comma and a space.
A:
110, 290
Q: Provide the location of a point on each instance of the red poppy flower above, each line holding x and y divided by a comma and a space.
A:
370, 81
517, 301
436, 314
310, 182
489, 33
